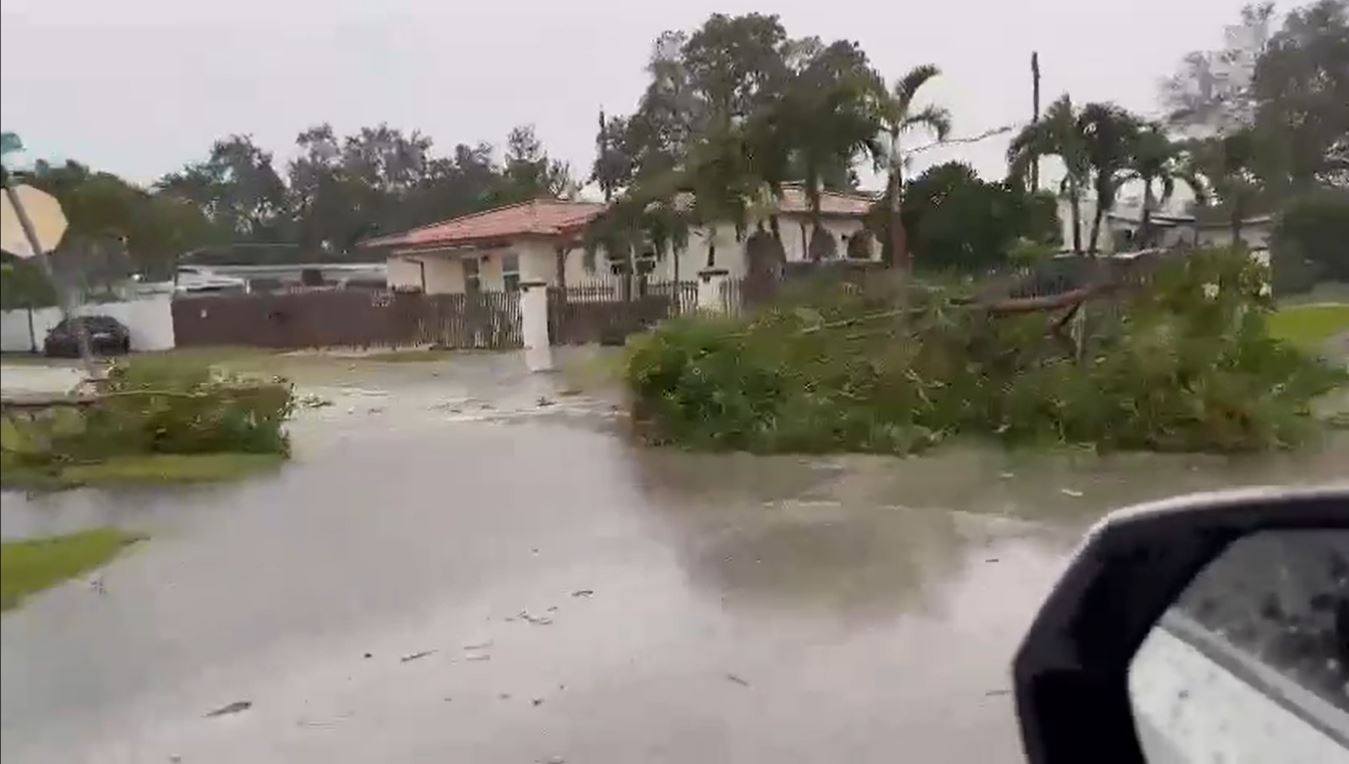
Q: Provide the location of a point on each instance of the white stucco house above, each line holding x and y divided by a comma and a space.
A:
1120, 229
541, 241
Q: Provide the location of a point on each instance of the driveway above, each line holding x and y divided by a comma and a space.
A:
464, 564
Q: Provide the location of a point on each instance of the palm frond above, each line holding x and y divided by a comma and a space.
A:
909, 84
935, 118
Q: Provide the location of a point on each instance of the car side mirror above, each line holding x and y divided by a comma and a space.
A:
1205, 628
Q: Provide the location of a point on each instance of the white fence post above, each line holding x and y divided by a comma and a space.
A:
710, 288
534, 325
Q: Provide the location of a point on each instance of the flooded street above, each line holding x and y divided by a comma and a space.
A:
467, 564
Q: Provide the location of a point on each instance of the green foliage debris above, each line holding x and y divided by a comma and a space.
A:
1185, 365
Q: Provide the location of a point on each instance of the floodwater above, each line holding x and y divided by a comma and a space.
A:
452, 570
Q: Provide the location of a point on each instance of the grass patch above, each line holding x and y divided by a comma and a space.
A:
30, 566
1309, 326
141, 469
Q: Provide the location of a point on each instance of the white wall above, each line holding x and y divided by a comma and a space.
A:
403, 273
149, 320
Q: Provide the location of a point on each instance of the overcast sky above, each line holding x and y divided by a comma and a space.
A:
140, 87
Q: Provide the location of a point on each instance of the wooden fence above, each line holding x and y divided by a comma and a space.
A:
608, 311
349, 318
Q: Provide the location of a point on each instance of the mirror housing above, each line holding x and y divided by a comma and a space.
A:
1071, 671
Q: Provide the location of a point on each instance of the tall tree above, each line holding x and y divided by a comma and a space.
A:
1061, 133
734, 63
1227, 164
236, 187
1157, 163
614, 163
1300, 90
1109, 134
529, 172
900, 115
1210, 94
825, 118
116, 227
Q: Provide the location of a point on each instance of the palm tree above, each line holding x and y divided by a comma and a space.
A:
1158, 160
1109, 134
720, 176
1060, 133
900, 116
829, 126
1227, 164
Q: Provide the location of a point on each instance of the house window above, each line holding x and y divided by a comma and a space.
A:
472, 282
510, 272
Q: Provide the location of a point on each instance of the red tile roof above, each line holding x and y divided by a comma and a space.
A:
795, 202
536, 217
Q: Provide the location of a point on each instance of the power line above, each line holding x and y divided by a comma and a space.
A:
971, 139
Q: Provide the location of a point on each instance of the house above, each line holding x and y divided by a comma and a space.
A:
542, 240
1120, 229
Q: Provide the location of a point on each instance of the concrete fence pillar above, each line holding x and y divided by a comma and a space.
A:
710, 287
534, 325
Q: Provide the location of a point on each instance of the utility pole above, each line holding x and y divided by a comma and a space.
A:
1035, 116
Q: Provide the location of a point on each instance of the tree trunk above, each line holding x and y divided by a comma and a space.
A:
1145, 225
560, 264
899, 240
712, 247
1095, 228
1236, 229
1075, 214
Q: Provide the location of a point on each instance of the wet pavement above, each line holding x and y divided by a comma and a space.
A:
463, 563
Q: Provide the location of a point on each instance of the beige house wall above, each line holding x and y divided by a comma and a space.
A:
537, 258
402, 273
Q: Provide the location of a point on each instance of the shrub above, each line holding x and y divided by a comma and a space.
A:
144, 409
1185, 365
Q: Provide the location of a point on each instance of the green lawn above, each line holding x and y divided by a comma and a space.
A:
1309, 326
31, 566
143, 469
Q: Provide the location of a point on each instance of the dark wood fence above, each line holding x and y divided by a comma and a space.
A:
357, 318
608, 311
489, 320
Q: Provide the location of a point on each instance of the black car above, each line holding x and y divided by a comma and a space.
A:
107, 336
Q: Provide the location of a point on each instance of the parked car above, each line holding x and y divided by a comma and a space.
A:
107, 336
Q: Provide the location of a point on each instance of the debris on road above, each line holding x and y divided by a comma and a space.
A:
480, 657
415, 656
545, 401
479, 646
536, 702
995, 693
369, 655
1070, 492
583, 593
233, 708
1006, 475
313, 401
990, 559
738, 680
